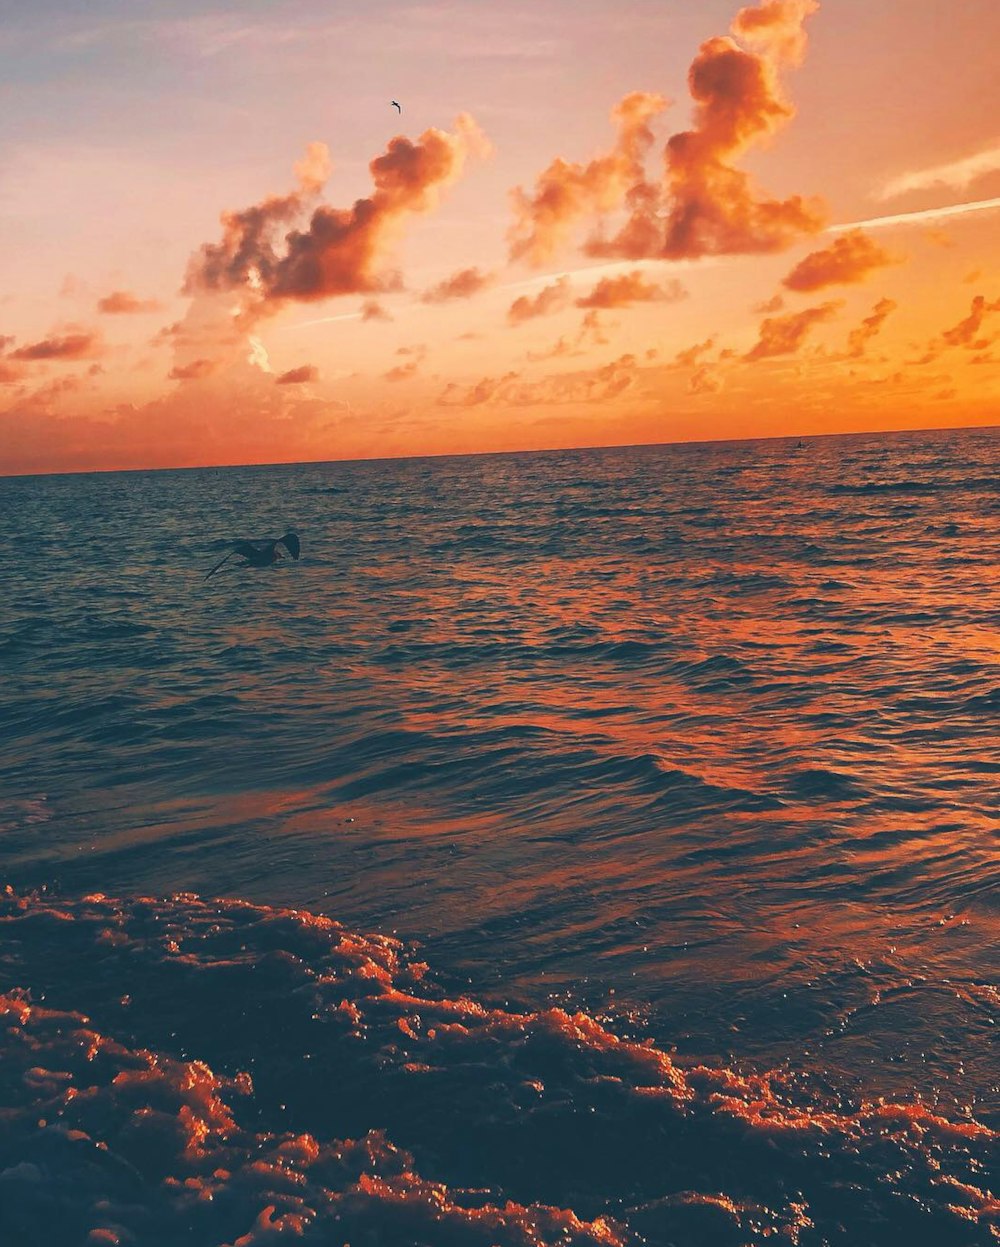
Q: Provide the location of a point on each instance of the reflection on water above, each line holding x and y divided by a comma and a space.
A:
702, 739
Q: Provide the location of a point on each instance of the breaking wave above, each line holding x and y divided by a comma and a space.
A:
215, 1072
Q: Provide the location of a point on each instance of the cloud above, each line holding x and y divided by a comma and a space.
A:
196, 370
590, 333
340, 250
592, 330
549, 299
704, 380
567, 191
714, 209
483, 391
237, 415
69, 346
560, 348
298, 376
704, 205
858, 339
775, 304
121, 302
689, 357
403, 372
594, 386
958, 174
775, 26
783, 335
591, 386
371, 309
848, 259
461, 285
966, 331
631, 288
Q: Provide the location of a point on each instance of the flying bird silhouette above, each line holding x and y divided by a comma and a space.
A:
396, 105
261, 553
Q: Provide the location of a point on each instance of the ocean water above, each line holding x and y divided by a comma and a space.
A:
594, 847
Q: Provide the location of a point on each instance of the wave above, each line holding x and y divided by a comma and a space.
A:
208, 1072
971, 484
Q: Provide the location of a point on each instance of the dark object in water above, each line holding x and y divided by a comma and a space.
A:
261, 553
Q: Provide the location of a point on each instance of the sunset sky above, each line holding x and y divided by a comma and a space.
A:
591, 224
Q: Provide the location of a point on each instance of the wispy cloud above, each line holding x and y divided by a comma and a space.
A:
858, 338
69, 346
959, 174
124, 303
461, 285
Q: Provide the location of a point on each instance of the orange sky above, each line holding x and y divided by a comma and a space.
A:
590, 224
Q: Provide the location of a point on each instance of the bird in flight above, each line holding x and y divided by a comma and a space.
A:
261, 553
397, 105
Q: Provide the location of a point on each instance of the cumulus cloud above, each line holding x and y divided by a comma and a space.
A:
783, 335
461, 285
298, 376
965, 333
124, 303
270, 262
775, 304
196, 370
566, 191
631, 288
704, 205
847, 260
775, 26
549, 299
858, 339
957, 175
69, 346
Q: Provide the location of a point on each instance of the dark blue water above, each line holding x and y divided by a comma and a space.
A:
700, 739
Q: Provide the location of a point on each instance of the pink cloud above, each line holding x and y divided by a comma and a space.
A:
298, 376
629, 288
849, 259
783, 335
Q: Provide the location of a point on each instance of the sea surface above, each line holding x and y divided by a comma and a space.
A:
577, 847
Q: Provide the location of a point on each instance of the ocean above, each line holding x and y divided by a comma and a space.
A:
579, 847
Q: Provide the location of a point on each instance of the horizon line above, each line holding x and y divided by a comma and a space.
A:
475, 454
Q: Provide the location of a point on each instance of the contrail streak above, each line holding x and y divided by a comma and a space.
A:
928, 214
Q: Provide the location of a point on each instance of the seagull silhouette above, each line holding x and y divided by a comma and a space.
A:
261, 553
395, 105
